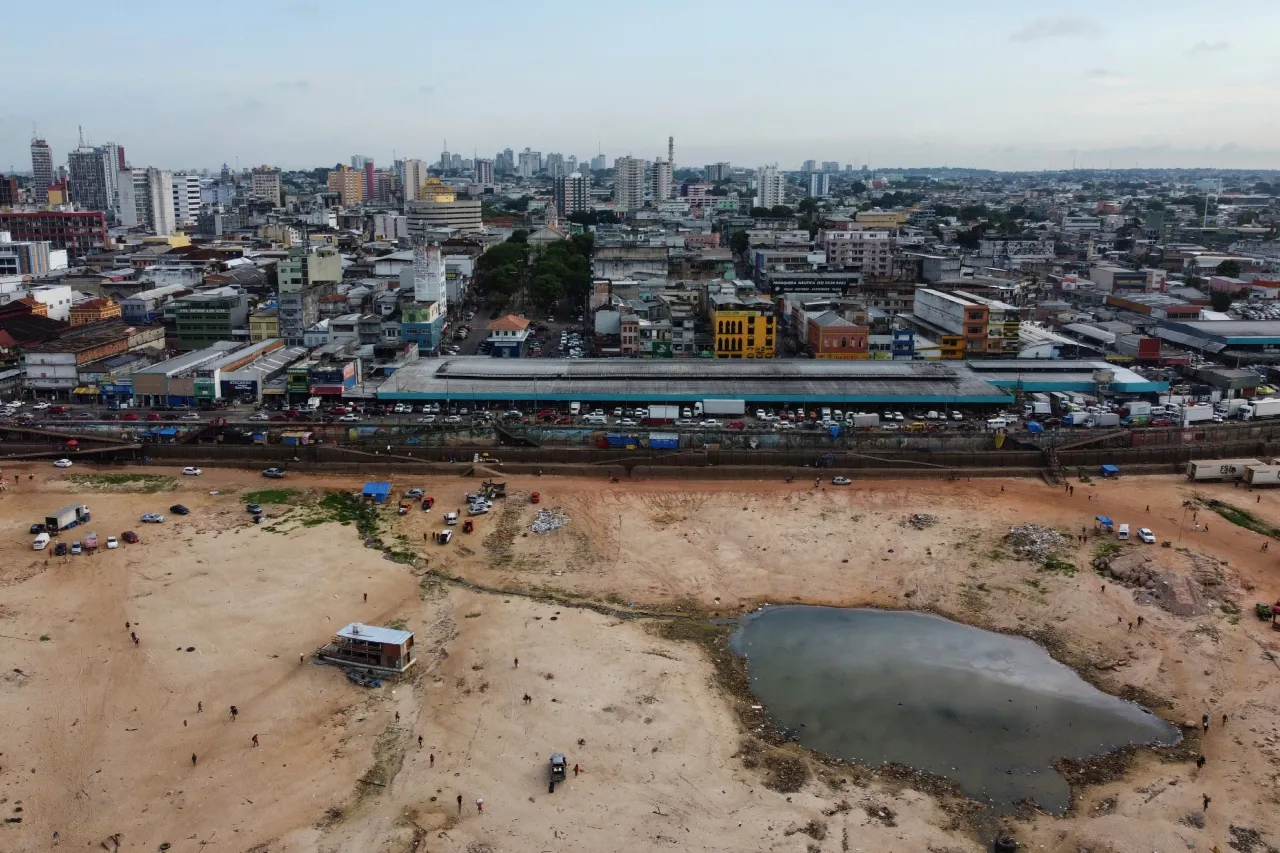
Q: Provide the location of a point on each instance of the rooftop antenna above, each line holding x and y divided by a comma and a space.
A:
80, 128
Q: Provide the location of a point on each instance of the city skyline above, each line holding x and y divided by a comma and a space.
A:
1017, 87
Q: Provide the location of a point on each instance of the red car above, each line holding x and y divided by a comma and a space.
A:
564, 421
130, 416
338, 410
735, 425
1161, 422
153, 417
130, 537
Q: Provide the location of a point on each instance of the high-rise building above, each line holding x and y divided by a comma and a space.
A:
357, 162
115, 162
661, 180
831, 166
8, 191
809, 166
348, 184
555, 166
90, 184
719, 172
770, 186
446, 159
571, 163
484, 172
530, 163
266, 185
819, 184
153, 194
41, 171
186, 199
628, 183
127, 200
455, 162
599, 163
384, 186
571, 194
413, 177
370, 184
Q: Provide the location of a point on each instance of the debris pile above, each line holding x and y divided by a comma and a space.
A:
1161, 585
548, 520
921, 521
1034, 541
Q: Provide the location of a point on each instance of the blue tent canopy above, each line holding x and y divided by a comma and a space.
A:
1110, 470
1104, 521
1034, 427
377, 491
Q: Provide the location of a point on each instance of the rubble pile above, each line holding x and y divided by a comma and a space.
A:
921, 521
1034, 541
548, 520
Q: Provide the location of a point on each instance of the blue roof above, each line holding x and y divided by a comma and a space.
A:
377, 489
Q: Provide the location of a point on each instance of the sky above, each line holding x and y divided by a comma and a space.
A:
994, 84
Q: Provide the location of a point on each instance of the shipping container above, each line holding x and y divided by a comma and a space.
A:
1219, 469
664, 441
724, 407
1262, 475
628, 441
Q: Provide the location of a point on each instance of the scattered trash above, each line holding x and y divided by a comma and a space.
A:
1034, 541
548, 520
920, 521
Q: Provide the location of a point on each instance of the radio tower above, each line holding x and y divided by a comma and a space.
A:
671, 153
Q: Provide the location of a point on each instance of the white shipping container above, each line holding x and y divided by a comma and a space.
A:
1219, 469
1262, 475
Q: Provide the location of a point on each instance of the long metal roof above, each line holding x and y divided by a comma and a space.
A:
680, 380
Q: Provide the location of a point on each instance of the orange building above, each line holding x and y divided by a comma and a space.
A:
347, 183
93, 311
830, 335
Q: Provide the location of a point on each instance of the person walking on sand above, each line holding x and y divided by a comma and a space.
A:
431, 760
419, 741
1141, 619
1148, 507
255, 741
1204, 721
193, 759
366, 596
1200, 762
459, 804
1224, 719
575, 770
1207, 800
517, 663
234, 711
480, 805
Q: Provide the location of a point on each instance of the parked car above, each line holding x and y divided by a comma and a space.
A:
414, 493
76, 547
40, 406
710, 423
153, 417
60, 550
259, 416
179, 509
348, 418
840, 481
453, 419
444, 536
151, 518
191, 471
1146, 535
112, 543
254, 508
273, 473
37, 528
130, 537
62, 463
129, 416
191, 416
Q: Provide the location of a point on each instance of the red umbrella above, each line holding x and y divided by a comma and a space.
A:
72, 443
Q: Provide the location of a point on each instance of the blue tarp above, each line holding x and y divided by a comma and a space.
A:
1032, 426
1109, 470
664, 441
378, 491
1104, 521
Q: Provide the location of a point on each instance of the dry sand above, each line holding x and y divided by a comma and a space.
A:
92, 727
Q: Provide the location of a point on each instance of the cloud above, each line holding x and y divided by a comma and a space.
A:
1208, 47
1052, 27
300, 84
1105, 77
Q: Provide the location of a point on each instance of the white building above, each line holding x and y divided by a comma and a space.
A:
484, 172
819, 184
186, 199
153, 193
126, 200
628, 183
56, 299
770, 187
661, 180
571, 194
415, 175
869, 251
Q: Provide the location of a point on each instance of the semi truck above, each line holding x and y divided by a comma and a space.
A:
1268, 408
662, 414
1230, 408
1219, 469
724, 407
66, 518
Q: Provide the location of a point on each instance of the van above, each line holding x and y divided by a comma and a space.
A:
1122, 532
997, 423
575, 409
838, 416
595, 420
825, 414
686, 413
40, 542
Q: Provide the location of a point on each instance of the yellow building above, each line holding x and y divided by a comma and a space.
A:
264, 325
433, 189
348, 183
882, 218
176, 240
93, 311
745, 328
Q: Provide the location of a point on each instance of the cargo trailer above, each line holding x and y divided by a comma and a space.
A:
1266, 408
1219, 469
724, 407
66, 518
1262, 475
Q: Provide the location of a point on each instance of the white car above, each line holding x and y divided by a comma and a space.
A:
62, 463
348, 419
427, 419
152, 518
192, 472
709, 422
41, 406
840, 481
684, 422
259, 416
112, 543
627, 422
453, 419
1146, 535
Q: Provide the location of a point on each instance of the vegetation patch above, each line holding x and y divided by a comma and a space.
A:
1058, 565
1241, 517
272, 496
126, 482
1106, 549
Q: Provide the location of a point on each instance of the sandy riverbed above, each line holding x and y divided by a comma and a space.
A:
93, 726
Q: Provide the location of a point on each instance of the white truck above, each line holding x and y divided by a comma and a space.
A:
1102, 419
1267, 408
1035, 408
1136, 409
1189, 414
1219, 469
724, 407
1230, 408
863, 420
664, 413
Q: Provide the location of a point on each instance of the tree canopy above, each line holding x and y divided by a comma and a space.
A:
1228, 268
